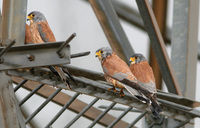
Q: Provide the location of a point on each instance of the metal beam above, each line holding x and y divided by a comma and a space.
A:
14, 21
112, 28
97, 76
158, 46
12, 28
100, 90
160, 9
34, 55
185, 44
132, 16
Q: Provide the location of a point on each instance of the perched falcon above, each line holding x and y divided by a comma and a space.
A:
144, 74
41, 33
118, 73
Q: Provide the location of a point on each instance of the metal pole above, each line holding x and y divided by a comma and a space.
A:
185, 47
160, 9
158, 46
12, 28
185, 44
14, 21
112, 28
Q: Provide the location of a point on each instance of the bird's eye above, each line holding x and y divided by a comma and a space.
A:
101, 51
32, 15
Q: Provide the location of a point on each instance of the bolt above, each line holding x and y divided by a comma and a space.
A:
30, 57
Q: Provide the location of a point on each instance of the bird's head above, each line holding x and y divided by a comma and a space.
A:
136, 58
103, 52
36, 16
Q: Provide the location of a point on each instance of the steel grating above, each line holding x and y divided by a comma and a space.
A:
99, 89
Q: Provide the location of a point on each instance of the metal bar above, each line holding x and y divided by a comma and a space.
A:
100, 90
128, 14
80, 54
20, 84
76, 71
119, 108
65, 44
62, 98
14, 21
28, 56
101, 115
160, 9
12, 28
82, 112
182, 123
30, 94
112, 28
7, 48
185, 44
158, 46
62, 110
42, 105
137, 119
120, 117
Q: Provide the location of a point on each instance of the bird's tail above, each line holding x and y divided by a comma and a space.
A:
62, 75
154, 106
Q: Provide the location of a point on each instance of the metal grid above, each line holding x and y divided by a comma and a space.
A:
92, 83
99, 89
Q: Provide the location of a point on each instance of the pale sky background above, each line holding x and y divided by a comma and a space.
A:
68, 16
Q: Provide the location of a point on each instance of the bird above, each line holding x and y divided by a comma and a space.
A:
141, 69
28, 37
118, 73
41, 33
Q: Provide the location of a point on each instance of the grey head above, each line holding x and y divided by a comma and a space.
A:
103, 52
36, 16
137, 58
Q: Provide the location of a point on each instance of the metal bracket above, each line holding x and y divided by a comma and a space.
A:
34, 55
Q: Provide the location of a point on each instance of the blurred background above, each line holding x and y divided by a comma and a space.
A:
68, 16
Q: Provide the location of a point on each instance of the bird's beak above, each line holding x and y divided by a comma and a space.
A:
132, 60
29, 18
98, 54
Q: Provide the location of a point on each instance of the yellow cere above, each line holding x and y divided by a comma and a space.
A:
98, 53
29, 17
132, 60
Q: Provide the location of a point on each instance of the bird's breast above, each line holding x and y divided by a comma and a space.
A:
36, 38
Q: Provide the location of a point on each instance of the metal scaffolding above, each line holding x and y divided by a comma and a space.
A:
39, 80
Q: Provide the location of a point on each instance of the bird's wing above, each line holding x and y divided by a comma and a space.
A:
149, 86
70, 76
46, 32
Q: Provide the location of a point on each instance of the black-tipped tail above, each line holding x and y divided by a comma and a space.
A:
155, 107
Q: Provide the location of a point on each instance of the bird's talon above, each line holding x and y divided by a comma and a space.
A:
113, 89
